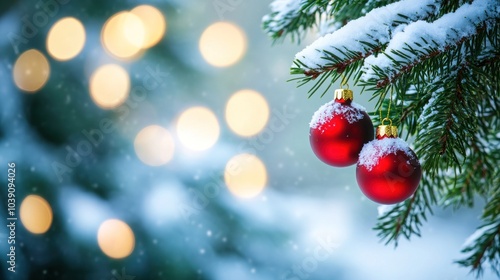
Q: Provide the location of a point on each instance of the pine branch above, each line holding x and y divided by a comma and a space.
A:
484, 249
477, 178
442, 138
346, 48
484, 245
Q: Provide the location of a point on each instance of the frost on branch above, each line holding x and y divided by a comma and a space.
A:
421, 39
363, 36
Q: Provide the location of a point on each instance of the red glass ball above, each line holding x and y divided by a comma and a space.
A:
339, 130
389, 176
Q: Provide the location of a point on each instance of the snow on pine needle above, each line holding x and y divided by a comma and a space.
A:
374, 28
425, 36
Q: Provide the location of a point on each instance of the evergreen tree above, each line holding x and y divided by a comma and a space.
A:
438, 63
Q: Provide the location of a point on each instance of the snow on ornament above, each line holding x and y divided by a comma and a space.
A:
339, 129
388, 171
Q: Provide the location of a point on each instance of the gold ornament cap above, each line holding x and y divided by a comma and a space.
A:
343, 94
389, 131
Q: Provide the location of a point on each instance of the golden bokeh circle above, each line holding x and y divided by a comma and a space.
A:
109, 86
198, 129
31, 71
66, 38
222, 44
36, 214
247, 112
116, 239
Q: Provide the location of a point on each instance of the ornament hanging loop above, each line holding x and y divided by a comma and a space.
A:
387, 119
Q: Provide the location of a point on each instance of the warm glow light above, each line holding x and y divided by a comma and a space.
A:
116, 239
245, 175
31, 71
66, 38
36, 214
222, 44
154, 24
154, 145
247, 112
198, 128
109, 86
123, 35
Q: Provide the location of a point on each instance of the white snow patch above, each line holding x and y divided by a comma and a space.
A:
375, 149
352, 113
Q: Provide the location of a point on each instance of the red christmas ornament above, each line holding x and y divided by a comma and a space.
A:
339, 129
388, 171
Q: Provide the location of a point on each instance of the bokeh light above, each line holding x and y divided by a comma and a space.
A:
222, 44
31, 71
245, 175
154, 24
154, 145
123, 35
66, 38
36, 214
109, 86
116, 239
247, 112
198, 128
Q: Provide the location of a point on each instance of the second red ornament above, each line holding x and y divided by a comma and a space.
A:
339, 129
388, 171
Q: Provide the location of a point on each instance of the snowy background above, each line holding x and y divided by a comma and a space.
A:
309, 222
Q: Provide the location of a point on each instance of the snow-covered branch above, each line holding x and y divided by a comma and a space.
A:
361, 36
421, 40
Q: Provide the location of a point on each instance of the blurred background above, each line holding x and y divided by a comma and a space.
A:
160, 140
